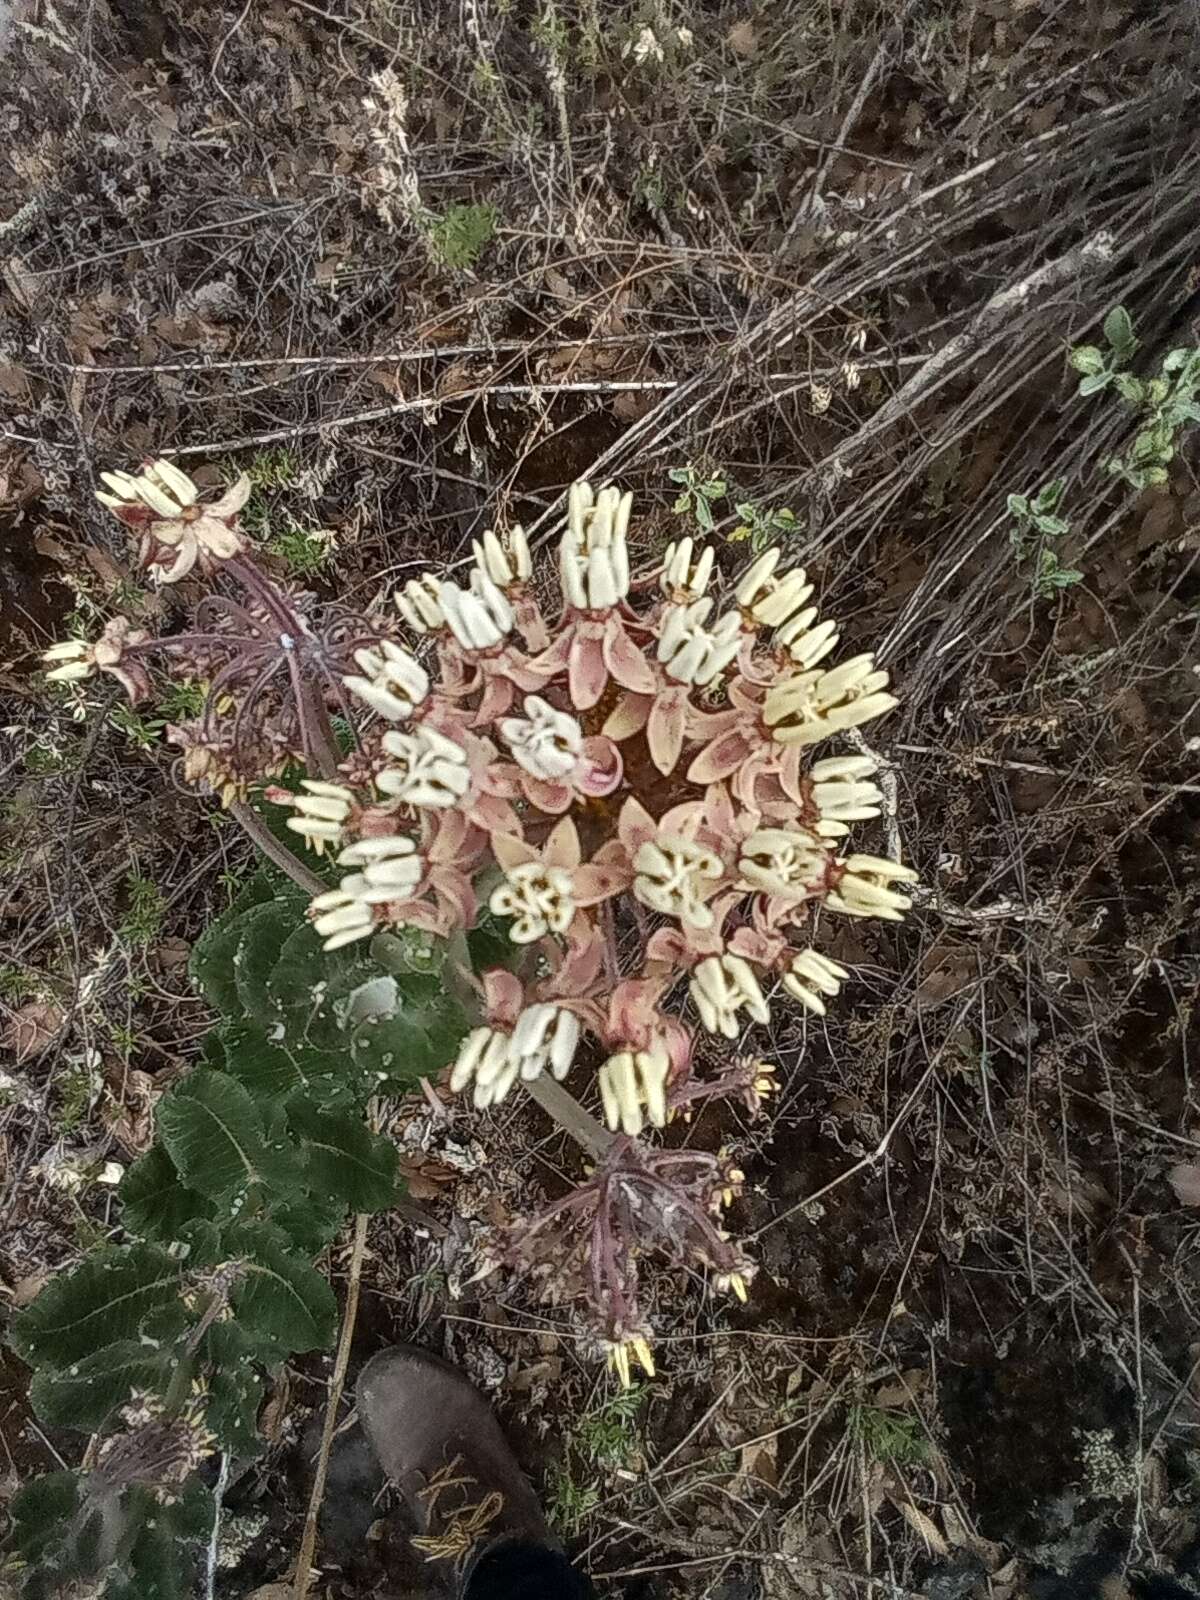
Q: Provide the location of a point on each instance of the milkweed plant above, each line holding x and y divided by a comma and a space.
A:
520, 839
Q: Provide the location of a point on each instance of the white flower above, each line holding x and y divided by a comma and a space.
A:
543, 1038
322, 812
805, 644
478, 617
504, 560
483, 1057
594, 555
843, 802
814, 704
720, 987
682, 581
538, 897
545, 742
692, 653
393, 683
392, 869
162, 487
632, 1080
831, 769
645, 47
181, 523
676, 876
786, 862
768, 600
418, 603
341, 916
71, 661
812, 975
432, 771
866, 890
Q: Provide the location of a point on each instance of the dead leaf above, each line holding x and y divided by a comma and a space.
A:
273, 1415
1185, 1180
758, 1461
32, 1029
14, 385
23, 283
920, 1523
742, 39
163, 127
26, 1290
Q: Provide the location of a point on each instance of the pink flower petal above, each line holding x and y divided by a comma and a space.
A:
553, 798
722, 757
504, 996
624, 660
591, 883
664, 730
586, 672
512, 852
600, 767
561, 849
628, 716
635, 825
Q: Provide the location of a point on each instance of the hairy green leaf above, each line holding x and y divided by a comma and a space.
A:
155, 1201
281, 1296
264, 930
1086, 358
1118, 330
106, 1298
83, 1394
213, 1133
344, 1158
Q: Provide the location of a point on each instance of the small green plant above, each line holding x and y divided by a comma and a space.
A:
16, 985
762, 526
460, 235
182, 699
78, 1085
304, 550
606, 1435
144, 732
158, 1344
144, 911
275, 467
1163, 405
1100, 367
1036, 526
697, 495
569, 1502
890, 1437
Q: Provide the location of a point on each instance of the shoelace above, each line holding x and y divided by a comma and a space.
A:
465, 1526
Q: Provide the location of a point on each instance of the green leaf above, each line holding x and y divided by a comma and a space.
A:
211, 964
1018, 506
234, 1389
84, 1394
213, 1133
267, 1070
1093, 383
345, 1159
1086, 358
281, 1296
40, 1511
311, 1221
414, 1040
704, 516
1129, 388
155, 1202
302, 984
1118, 330
1156, 476
106, 1298
1052, 527
264, 932
1049, 495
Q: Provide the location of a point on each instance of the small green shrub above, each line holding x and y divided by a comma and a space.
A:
697, 495
460, 235
1036, 526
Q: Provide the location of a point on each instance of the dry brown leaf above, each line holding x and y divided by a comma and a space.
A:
27, 1289
1185, 1180
920, 1523
32, 1029
23, 283
742, 39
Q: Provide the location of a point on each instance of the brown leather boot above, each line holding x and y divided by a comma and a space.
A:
437, 1440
